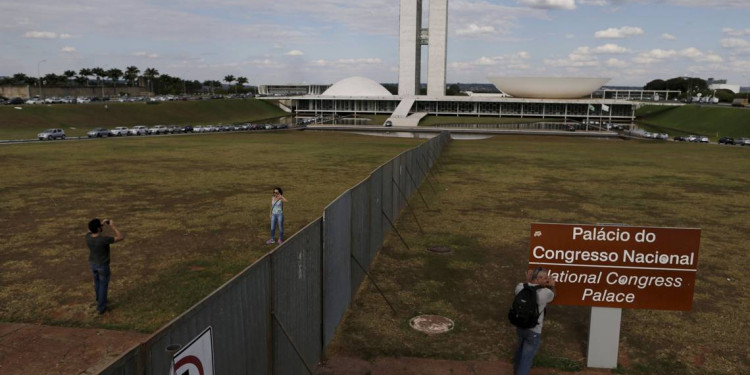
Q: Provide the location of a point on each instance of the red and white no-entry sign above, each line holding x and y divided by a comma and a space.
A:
196, 358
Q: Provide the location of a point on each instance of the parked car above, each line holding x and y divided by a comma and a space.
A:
198, 129
15, 101
691, 138
679, 139
99, 133
138, 130
172, 129
186, 129
742, 141
51, 134
701, 139
120, 130
158, 129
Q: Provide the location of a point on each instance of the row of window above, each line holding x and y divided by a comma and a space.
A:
473, 108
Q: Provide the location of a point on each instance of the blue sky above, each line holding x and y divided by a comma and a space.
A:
323, 41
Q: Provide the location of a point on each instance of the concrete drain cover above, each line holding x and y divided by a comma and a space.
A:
440, 249
431, 324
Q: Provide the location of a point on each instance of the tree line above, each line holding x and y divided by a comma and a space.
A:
150, 79
691, 87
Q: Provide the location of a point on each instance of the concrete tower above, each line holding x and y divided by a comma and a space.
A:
438, 42
409, 47
411, 39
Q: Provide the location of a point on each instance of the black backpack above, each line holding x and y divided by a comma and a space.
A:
524, 313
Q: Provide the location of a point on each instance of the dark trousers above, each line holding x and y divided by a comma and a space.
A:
101, 275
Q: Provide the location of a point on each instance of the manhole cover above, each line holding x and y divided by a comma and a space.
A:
431, 324
441, 249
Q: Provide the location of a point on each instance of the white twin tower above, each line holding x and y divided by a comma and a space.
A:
411, 39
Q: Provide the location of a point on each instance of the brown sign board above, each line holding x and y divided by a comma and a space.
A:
618, 266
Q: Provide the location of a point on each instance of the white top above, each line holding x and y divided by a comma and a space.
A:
543, 297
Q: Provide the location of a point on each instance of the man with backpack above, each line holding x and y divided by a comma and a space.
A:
527, 314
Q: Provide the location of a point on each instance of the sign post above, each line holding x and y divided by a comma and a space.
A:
610, 267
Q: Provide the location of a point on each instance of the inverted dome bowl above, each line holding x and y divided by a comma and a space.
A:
548, 87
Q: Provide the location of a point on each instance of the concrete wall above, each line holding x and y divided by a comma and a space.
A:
14, 91
438, 46
410, 50
27, 92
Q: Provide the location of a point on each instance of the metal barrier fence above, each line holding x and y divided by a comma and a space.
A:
279, 314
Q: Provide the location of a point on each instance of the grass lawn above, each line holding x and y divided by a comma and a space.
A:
194, 210
490, 191
708, 120
77, 119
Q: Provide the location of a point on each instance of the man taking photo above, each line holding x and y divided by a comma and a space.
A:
98, 245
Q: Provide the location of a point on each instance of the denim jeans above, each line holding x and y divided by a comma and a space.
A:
528, 344
277, 219
101, 274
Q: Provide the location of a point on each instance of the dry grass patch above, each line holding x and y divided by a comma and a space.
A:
490, 193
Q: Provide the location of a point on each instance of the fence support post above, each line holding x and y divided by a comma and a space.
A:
394, 228
406, 199
374, 283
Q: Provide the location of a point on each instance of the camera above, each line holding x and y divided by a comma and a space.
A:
106, 222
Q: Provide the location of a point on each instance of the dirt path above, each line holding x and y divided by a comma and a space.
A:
422, 366
47, 350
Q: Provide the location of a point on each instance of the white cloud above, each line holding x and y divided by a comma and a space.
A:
346, 62
474, 29
145, 54
623, 32
615, 63
516, 60
667, 36
295, 52
68, 49
40, 35
655, 55
610, 48
732, 32
734, 43
549, 4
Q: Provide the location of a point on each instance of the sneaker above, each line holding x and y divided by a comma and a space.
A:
281, 241
270, 241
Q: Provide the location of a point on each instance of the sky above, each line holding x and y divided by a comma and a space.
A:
323, 41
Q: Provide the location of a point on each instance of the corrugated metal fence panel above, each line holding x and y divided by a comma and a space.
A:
376, 211
387, 194
360, 228
296, 269
398, 198
337, 242
238, 316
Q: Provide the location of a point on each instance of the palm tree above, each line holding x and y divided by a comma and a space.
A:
114, 74
241, 81
229, 79
131, 74
150, 74
99, 73
85, 73
69, 74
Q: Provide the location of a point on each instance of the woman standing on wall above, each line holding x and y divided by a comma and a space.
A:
277, 215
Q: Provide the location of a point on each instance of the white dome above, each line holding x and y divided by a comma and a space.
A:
548, 87
357, 86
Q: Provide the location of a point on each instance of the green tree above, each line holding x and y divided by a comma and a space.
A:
85, 73
150, 74
131, 74
229, 79
114, 74
241, 81
657, 84
453, 90
69, 74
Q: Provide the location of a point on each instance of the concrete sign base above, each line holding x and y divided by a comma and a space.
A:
604, 337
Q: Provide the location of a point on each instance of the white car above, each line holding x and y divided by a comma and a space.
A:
198, 129
701, 139
120, 130
158, 129
51, 134
138, 130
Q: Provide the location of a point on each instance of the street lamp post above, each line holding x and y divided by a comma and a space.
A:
39, 77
